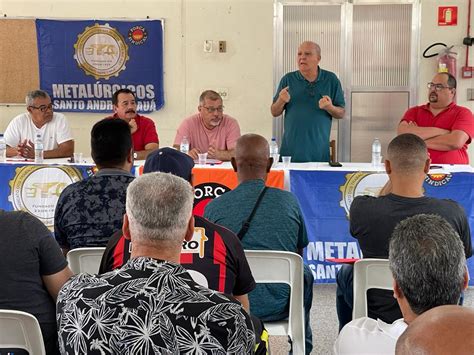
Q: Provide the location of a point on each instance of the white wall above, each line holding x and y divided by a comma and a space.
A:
245, 70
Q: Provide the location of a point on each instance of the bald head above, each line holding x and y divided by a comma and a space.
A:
441, 330
251, 157
407, 154
311, 45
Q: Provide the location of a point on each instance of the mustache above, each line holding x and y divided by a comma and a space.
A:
131, 110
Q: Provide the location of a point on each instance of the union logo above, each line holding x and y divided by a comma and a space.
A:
137, 35
101, 51
36, 189
360, 183
437, 180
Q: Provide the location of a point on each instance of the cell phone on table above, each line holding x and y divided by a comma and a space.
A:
335, 164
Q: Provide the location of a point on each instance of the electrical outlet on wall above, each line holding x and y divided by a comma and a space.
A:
224, 92
222, 46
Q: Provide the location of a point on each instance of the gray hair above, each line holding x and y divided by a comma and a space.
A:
209, 94
32, 95
427, 261
159, 206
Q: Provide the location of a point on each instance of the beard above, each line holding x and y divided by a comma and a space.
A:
433, 97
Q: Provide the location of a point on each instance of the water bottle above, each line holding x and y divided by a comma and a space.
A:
39, 149
184, 146
274, 151
3, 149
376, 153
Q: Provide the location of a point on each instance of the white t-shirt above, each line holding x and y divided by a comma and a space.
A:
368, 336
53, 133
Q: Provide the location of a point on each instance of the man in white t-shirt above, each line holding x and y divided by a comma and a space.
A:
40, 119
428, 265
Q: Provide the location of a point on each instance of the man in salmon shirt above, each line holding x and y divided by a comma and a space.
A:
210, 130
445, 127
144, 136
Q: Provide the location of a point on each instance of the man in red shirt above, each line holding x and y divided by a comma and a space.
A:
144, 136
446, 127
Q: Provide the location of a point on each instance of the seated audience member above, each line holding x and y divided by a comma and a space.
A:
218, 257
441, 330
144, 136
90, 210
429, 270
40, 119
210, 130
372, 220
32, 270
446, 127
276, 225
151, 304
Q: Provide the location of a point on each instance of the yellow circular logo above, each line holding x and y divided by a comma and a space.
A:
360, 183
36, 189
101, 51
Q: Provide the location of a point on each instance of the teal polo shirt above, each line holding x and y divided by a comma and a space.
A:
306, 126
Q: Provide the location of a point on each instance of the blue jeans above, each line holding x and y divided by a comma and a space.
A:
344, 294
308, 281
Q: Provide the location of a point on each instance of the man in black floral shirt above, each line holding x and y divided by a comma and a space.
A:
88, 212
151, 305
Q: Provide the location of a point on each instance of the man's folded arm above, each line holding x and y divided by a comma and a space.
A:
422, 132
451, 141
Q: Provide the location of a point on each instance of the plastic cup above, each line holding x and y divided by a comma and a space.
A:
78, 158
286, 161
202, 158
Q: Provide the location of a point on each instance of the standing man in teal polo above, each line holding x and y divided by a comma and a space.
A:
310, 97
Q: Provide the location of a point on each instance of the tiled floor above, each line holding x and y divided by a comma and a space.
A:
324, 321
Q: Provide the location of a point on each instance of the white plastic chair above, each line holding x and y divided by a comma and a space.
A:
85, 260
20, 330
369, 273
270, 266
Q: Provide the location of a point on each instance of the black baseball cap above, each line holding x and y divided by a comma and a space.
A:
169, 160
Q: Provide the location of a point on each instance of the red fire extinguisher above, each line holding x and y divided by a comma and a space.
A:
446, 58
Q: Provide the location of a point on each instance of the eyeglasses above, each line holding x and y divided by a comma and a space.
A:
437, 87
43, 108
214, 109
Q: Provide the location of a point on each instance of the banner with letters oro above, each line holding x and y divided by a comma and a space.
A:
325, 198
82, 63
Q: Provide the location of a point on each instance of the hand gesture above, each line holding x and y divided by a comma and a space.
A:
193, 153
211, 152
325, 102
284, 95
26, 149
133, 126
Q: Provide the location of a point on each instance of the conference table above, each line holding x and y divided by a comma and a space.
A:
324, 193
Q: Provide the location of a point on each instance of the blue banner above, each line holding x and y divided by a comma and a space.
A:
82, 63
325, 198
36, 188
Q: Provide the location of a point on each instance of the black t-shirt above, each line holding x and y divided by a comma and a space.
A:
372, 221
28, 252
215, 252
